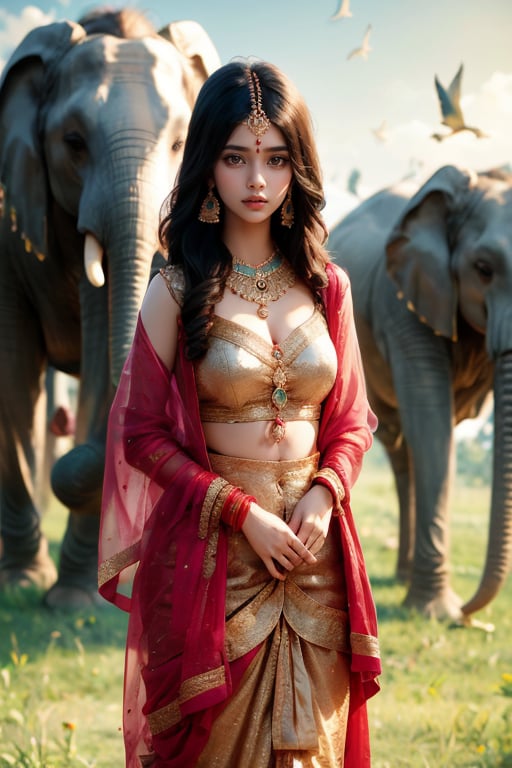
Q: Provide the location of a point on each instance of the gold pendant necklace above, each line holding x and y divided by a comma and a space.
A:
266, 282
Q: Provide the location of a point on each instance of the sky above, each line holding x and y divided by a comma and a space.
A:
411, 41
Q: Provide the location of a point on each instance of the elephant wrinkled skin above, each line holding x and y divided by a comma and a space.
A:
431, 274
91, 133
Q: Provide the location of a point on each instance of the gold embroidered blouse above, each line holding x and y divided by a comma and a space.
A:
241, 374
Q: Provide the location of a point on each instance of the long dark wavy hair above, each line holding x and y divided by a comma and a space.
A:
224, 103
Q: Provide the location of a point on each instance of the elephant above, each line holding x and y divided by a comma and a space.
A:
431, 275
93, 117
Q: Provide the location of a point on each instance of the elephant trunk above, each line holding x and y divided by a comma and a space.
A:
121, 223
126, 291
499, 547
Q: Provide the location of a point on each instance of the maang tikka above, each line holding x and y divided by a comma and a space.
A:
257, 121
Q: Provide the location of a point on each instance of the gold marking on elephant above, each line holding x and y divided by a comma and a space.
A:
102, 93
14, 220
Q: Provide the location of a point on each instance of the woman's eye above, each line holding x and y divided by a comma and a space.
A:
278, 161
233, 159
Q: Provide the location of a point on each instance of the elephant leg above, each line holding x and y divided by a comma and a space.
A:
77, 477
77, 482
422, 376
25, 559
429, 588
389, 433
398, 456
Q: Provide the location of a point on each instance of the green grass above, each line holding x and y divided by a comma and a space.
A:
61, 680
446, 697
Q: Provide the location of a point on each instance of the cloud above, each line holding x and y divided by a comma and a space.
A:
338, 202
410, 152
14, 28
496, 95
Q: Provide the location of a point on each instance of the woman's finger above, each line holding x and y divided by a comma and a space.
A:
316, 545
302, 553
275, 569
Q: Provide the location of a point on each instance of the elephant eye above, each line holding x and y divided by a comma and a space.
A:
177, 145
75, 141
484, 270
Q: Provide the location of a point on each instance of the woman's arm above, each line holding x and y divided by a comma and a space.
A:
346, 424
347, 421
160, 313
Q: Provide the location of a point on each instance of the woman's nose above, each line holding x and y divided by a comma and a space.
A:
256, 180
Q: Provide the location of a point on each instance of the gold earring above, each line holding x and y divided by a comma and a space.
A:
287, 212
210, 208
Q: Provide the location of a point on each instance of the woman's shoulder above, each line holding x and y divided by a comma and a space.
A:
175, 279
337, 277
160, 313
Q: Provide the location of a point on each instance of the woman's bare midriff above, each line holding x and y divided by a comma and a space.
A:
252, 440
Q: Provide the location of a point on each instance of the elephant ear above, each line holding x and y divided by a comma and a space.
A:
192, 41
26, 78
418, 251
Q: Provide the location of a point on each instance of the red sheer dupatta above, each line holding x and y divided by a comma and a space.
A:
345, 434
154, 427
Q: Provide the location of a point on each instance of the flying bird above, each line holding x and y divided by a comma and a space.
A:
343, 11
353, 182
365, 49
415, 166
381, 133
449, 101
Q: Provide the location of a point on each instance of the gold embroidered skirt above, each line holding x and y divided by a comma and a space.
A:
292, 704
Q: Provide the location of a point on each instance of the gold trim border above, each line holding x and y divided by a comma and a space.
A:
167, 716
115, 564
364, 645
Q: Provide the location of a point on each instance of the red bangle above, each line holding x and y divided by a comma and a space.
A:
236, 508
325, 484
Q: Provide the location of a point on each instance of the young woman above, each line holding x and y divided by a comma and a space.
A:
238, 429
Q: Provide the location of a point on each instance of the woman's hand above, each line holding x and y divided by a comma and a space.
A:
274, 541
311, 517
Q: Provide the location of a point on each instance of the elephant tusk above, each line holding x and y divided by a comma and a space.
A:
93, 255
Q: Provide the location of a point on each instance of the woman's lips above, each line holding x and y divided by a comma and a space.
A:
254, 202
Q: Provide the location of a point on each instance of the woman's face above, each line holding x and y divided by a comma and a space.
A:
252, 179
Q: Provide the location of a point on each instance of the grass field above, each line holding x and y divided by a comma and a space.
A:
446, 697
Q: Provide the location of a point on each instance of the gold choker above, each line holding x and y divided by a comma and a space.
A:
266, 282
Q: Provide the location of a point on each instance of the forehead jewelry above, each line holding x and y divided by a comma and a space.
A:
257, 121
